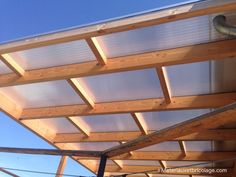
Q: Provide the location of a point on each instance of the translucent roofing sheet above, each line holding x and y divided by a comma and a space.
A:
130, 85
189, 79
109, 123
60, 125
160, 120
42, 94
198, 145
165, 36
4, 69
54, 55
165, 146
95, 146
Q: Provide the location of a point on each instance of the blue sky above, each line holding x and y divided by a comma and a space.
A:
21, 18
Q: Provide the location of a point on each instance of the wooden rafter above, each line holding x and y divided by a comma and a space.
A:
163, 164
119, 163
61, 166
182, 147
173, 156
179, 103
210, 120
130, 153
215, 135
196, 53
81, 92
97, 50
149, 19
79, 125
12, 64
140, 122
161, 72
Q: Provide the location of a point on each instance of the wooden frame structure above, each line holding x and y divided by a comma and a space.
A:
204, 129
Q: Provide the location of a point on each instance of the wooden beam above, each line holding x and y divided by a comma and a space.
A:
8, 172
210, 120
119, 163
9, 107
173, 156
214, 135
179, 103
163, 164
161, 72
79, 125
97, 50
196, 53
158, 170
124, 24
130, 153
140, 122
148, 175
51, 152
81, 92
183, 147
12, 64
61, 166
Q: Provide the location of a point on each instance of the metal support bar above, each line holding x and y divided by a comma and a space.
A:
102, 166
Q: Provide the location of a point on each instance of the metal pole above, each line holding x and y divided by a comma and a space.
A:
102, 166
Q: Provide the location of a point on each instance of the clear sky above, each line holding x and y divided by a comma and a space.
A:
21, 18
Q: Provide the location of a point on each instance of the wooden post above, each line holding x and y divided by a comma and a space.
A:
61, 166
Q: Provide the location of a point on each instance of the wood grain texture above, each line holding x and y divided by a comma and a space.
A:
178, 103
210, 120
196, 53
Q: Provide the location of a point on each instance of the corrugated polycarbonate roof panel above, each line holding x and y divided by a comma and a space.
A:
165, 146
54, 93
60, 125
109, 123
165, 36
54, 55
189, 79
130, 85
161, 120
94, 146
4, 69
198, 146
